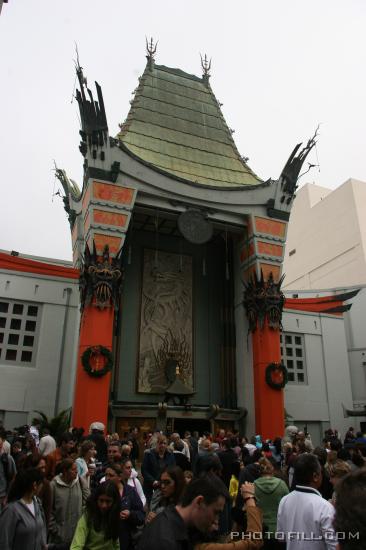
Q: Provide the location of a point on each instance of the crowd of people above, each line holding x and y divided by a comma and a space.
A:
196, 491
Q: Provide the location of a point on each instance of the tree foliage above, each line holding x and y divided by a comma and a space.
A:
57, 425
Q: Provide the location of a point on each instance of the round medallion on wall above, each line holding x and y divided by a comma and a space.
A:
194, 227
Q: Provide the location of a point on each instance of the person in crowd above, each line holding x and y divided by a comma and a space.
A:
305, 511
114, 456
78, 435
7, 472
132, 514
337, 470
303, 439
193, 446
44, 493
350, 511
97, 436
344, 454
212, 468
180, 458
356, 457
98, 527
195, 519
234, 483
85, 460
188, 476
205, 451
269, 491
126, 449
249, 445
68, 493
248, 474
227, 458
114, 452
266, 450
276, 449
175, 437
253, 535
47, 443
133, 480
66, 449
135, 451
17, 452
22, 522
154, 462
30, 446
6, 447
221, 435
34, 430
350, 436
326, 488
171, 487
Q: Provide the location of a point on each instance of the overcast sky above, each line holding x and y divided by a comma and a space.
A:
280, 67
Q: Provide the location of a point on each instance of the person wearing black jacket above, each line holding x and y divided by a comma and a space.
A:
180, 459
132, 513
227, 458
250, 473
154, 462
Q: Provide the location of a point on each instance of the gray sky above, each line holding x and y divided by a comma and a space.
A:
279, 67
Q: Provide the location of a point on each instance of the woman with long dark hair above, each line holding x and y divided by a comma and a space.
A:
172, 484
132, 514
44, 494
22, 522
98, 527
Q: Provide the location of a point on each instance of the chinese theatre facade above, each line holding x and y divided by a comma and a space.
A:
179, 246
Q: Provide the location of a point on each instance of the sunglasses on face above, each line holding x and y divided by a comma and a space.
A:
166, 482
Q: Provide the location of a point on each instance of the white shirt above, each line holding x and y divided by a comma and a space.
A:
47, 445
304, 514
30, 506
6, 447
35, 434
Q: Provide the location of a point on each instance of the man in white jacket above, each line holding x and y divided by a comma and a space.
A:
305, 518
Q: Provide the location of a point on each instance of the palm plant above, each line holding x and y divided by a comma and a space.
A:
57, 425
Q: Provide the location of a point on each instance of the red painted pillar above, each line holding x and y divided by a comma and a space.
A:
269, 403
91, 396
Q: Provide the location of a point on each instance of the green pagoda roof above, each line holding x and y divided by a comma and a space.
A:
175, 125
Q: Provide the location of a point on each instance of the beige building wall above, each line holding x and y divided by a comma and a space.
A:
326, 241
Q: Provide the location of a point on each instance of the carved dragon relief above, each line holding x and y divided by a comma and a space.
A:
263, 300
101, 278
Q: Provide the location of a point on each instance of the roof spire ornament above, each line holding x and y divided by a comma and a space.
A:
206, 67
151, 51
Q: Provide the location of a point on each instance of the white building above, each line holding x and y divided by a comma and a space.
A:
326, 249
325, 355
326, 241
39, 320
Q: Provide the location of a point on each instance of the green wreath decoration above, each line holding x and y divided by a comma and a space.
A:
276, 368
97, 350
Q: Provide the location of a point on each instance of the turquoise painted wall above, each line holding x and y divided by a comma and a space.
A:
207, 297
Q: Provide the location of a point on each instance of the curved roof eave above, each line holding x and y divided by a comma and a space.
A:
237, 187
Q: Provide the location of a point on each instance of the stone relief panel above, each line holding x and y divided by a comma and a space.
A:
166, 334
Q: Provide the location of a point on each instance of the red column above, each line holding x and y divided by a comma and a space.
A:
91, 396
269, 403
